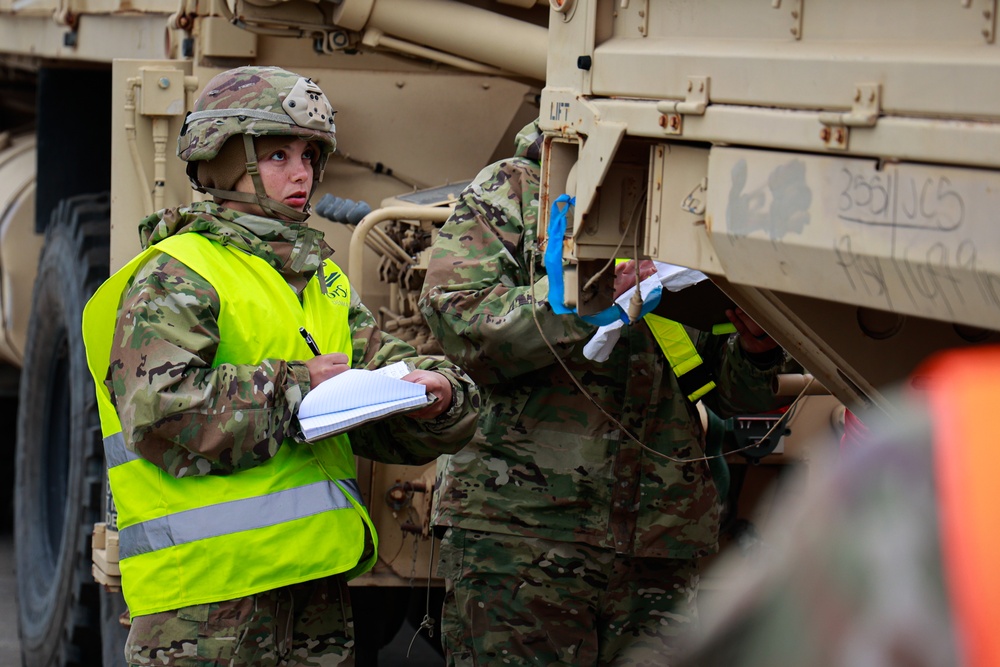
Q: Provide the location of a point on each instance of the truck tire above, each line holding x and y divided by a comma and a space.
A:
60, 457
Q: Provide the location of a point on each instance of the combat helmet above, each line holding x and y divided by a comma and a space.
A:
254, 102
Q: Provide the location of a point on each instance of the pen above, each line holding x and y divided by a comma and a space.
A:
309, 341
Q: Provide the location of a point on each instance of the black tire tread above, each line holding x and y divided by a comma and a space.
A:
58, 599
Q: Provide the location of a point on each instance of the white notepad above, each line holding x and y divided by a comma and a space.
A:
358, 396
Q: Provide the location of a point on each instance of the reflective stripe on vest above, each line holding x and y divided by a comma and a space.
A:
964, 394
693, 377
297, 516
226, 517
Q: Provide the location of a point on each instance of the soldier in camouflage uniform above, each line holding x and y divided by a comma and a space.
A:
883, 553
567, 542
853, 572
193, 418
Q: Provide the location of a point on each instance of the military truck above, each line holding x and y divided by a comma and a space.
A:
831, 164
91, 100
828, 163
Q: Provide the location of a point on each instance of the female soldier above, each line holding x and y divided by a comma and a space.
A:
237, 537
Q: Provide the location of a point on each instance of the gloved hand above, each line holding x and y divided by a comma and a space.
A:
668, 277
346, 211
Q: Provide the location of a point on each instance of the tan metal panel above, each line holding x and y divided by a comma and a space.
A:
704, 18
33, 8
917, 79
881, 22
221, 39
429, 129
99, 38
132, 177
115, 6
969, 22
910, 239
917, 139
675, 221
790, 53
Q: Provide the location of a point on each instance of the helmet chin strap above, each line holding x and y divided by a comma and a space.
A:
270, 207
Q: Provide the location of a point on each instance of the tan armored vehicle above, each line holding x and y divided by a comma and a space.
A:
91, 101
831, 164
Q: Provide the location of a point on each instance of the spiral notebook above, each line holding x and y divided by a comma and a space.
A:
356, 397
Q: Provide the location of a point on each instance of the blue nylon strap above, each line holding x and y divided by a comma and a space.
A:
554, 267
553, 254
606, 316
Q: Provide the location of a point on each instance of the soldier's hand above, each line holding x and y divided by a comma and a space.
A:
625, 274
436, 384
753, 338
326, 366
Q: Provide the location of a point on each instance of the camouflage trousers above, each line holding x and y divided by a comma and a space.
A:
525, 601
303, 624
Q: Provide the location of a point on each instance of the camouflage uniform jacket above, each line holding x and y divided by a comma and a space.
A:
168, 394
855, 567
545, 461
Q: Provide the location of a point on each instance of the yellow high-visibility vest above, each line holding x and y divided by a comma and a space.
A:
692, 376
296, 517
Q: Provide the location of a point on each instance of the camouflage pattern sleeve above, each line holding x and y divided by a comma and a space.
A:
852, 573
177, 411
478, 297
741, 386
402, 439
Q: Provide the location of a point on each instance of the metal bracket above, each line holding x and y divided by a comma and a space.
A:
633, 17
695, 200
989, 18
673, 111
795, 10
990, 21
864, 113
